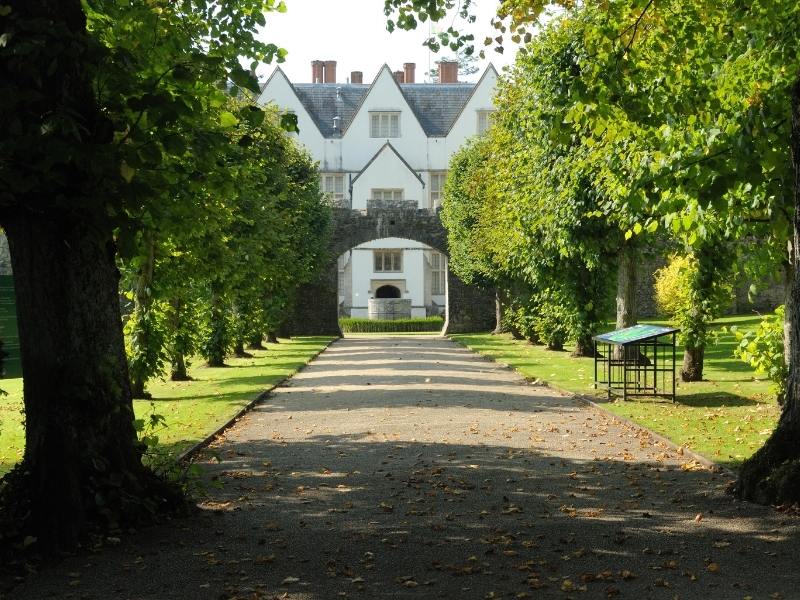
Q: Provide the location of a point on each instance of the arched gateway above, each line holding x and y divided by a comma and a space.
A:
316, 309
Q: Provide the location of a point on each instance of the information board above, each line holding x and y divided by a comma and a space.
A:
637, 333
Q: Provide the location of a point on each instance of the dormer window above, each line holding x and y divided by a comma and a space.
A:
384, 124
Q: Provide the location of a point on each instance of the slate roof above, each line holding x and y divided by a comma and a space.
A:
436, 106
319, 99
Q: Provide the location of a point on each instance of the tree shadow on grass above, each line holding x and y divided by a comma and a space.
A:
713, 400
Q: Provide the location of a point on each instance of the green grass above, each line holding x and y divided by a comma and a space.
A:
726, 417
193, 409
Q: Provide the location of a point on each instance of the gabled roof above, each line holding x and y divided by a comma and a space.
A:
278, 72
437, 106
387, 145
324, 101
488, 69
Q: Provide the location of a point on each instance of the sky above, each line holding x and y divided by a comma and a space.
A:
353, 33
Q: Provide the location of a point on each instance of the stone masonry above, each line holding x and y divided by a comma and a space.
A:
316, 308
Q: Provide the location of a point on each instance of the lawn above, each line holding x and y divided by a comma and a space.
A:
192, 409
726, 417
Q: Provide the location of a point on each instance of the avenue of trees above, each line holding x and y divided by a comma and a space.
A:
134, 160
628, 128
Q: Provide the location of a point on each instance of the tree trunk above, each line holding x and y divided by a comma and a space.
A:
178, 372
285, 330
272, 337
82, 459
216, 347
584, 346
256, 341
239, 351
692, 369
772, 475
789, 308
498, 314
143, 299
626, 296
626, 287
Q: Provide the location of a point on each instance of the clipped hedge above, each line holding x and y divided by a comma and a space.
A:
352, 325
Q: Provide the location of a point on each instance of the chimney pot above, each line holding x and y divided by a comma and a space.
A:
330, 71
399, 76
317, 70
409, 72
356, 77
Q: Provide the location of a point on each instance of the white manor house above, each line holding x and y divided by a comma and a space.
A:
386, 144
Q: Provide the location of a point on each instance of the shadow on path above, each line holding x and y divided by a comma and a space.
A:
453, 488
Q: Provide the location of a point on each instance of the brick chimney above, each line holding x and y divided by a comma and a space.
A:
448, 71
330, 71
399, 76
408, 70
317, 70
356, 77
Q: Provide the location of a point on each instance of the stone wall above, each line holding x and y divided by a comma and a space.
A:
316, 307
393, 205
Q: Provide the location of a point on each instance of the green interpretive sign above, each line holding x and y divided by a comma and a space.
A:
9, 335
637, 333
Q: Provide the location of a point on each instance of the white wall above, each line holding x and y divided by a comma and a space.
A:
359, 147
466, 125
279, 91
365, 279
387, 171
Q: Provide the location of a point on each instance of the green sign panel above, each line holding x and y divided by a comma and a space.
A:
8, 328
637, 333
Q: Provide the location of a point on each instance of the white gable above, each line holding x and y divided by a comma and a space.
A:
279, 91
466, 125
383, 95
387, 170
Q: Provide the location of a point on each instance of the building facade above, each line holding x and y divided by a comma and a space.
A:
386, 145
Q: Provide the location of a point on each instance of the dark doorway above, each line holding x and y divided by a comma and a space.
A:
387, 291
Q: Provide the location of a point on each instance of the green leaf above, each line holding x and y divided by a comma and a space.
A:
289, 122
126, 171
228, 119
245, 79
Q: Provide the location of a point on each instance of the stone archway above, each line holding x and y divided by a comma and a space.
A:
316, 310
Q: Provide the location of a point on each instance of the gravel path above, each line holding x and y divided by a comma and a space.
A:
412, 468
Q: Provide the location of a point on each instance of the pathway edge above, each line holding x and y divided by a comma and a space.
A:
191, 451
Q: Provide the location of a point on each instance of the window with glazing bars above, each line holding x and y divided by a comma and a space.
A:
484, 120
437, 188
387, 194
333, 186
438, 274
388, 261
384, 124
